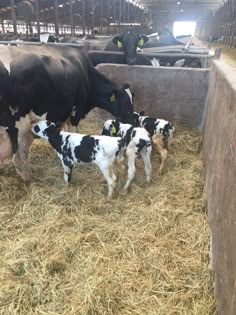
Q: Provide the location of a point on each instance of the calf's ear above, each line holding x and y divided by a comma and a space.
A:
117, 40
141, 113
142, 40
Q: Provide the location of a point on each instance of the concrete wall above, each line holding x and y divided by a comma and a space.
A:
219, 154
175, 94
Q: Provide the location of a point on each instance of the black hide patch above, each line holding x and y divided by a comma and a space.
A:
149, 125
86, 151
36, 129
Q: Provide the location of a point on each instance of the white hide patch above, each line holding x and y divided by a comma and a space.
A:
6, 58
13, 111
130, 95
155, 62
44, 37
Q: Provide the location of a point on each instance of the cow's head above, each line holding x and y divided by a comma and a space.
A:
128, 43
121, 101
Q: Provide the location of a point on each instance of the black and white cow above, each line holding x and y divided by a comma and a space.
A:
138, 143
127, 43
53, 83
75, 148
161, 132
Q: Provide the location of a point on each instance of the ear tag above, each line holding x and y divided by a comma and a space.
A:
113, 98
141, 42
119, 44
113, 130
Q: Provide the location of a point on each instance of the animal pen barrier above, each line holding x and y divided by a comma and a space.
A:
203, 99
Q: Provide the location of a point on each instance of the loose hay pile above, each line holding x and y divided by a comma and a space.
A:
70, 251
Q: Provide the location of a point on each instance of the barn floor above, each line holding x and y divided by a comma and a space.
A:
70, 251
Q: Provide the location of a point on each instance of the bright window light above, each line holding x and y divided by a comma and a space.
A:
184, 28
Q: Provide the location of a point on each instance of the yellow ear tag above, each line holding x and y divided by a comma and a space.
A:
141, 42
113, 130
119, 44
113, 98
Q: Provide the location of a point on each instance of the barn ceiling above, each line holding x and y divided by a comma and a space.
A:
183, 9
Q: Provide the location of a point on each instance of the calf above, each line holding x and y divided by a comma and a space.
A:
138, 142
78, 148
161, 132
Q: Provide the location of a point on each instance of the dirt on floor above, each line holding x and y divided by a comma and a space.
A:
68, 250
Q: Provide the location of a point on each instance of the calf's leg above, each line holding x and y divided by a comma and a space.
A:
131, 156
146, 156
158, 143
110, 178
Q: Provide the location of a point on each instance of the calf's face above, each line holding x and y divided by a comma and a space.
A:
42, 128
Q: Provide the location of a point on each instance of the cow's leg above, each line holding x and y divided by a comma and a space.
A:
73, 121
131, 156
146, 156
25, 139
20, 158
158, 143
110, 178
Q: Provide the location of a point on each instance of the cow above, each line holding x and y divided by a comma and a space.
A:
161, 132
138, 143
160, 40
127, 43
75, 148
55, 83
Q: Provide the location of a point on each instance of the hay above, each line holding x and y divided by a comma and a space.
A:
70, 251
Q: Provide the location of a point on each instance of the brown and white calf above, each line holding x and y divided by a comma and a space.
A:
161, 132
138, 142
74, 148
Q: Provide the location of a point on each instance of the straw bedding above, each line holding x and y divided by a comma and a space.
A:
71, 251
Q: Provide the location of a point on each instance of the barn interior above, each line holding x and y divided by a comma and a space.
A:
163, 248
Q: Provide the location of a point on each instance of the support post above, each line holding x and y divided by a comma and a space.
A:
37, 16
56, 17
13, 16
71, 17
83, 16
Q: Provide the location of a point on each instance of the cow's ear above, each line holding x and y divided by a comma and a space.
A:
117, 40
142, 40
115, 127
114, 95
141, 113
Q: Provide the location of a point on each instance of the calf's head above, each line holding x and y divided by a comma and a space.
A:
121, 101
137, 118
128, 43
43, 129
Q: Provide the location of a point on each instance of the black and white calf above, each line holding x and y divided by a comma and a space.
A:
161, 132
138, 142
74, 148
